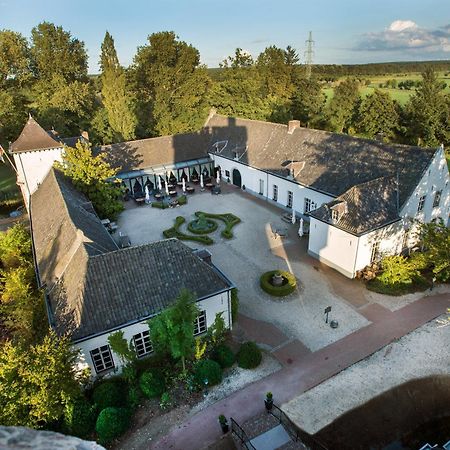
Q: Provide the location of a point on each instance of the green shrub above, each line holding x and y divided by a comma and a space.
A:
174, 232
166, 401
133, 397
111, 423
160, 205
182, 200
397, 270
207, 369
212, 227
79, 418
224, 356
229, 219
234, 304
152, 383
278, 291
249, 355
109, 393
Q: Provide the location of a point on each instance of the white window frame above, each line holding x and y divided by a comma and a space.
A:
290, 199
437, 199
375, 252
142, 344
334, 215
309, 205
102, 358
421, 204
275, 193
200, 325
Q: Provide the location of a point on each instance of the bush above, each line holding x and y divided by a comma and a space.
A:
182, 200
160, 205
249, 356
152, 383
174, 232
212, 227
234, 304
208, 369
278, 291
111, 423
133, 397
108, 394
79, 418
229, 219
224, 356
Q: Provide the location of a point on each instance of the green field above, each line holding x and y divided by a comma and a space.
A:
8, 185
400, 95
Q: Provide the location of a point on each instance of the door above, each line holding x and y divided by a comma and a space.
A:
237, 178
261, 187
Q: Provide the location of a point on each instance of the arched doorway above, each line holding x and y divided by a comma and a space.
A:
237, 181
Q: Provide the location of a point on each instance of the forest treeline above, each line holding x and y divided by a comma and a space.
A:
166, 91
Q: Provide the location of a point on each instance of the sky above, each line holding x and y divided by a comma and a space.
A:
344, 31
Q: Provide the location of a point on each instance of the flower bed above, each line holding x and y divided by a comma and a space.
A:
229, 219
174, 232
287, 287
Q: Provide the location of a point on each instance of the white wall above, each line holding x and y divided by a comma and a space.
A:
212, 305
33, 166
251, 179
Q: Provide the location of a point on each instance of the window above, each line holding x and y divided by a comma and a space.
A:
334, 215
375, 252
405, 239
437, 199
102, 359
275, 193
289, 199
261, 187
421, 203
309, 205
142, 343
227, 173
200, 323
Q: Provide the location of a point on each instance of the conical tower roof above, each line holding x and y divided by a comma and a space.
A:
33, 137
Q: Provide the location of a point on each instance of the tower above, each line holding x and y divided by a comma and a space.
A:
309, 53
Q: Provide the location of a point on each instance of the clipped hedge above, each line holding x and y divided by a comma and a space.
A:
111, 423
152, 383
192, 229
224, 356
229, 219
109, 393
160, 205
182, 200
79, 418
208, 369
249, 355
174, 232
278, 291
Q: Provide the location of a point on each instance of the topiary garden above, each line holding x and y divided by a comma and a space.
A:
278, 283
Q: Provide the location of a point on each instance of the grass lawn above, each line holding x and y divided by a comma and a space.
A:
8, 181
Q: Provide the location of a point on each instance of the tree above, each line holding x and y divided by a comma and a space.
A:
121, 347
170, 84
14, 57
173, 329
435, 239
308, 101
344, 105
94, 177
12, 115
378, 115
15, 247
117, 98
290, 56
428, 112
37, 382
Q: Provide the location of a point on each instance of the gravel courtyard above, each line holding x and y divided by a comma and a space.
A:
252, 251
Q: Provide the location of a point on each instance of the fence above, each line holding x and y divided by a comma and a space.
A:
241, 435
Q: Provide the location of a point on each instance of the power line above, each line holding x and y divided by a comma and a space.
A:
309, 53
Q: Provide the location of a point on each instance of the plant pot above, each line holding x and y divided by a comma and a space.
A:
269, 404
224, 427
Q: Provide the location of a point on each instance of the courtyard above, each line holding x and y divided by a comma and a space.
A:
254, 249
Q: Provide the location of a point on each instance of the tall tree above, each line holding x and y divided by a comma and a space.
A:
117, 98
93, 176
170, 84
344, 105
173, 329
14, 57
308, 101
378, 115
428, 112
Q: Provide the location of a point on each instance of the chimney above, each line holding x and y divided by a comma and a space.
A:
292, 125
204, 255
85, 135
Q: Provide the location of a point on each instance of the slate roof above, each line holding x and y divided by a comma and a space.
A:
91, 284
329, 162
33, 138
151, 152
367, 206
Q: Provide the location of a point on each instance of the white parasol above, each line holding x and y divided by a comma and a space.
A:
201, 181
218, 177
147, 195
293, 217
184, 185
300, 228
159, 183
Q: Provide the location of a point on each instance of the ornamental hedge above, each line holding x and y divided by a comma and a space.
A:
249, 355
79, 418
224, 356
207, 369
213, 227
111, 423
152, 383
109, 393
174, 232
229, 219
288, 286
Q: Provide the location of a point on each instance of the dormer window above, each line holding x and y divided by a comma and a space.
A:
334, 215
437, 199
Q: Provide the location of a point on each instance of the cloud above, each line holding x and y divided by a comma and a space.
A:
406, 35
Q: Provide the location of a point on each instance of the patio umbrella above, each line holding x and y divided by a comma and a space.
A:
300, 228
293, 217
184, 185
159, 183
167, 187
147, 195
188, 175
218, 177
201, 181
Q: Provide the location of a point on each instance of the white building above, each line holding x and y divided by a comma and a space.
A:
93, 288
